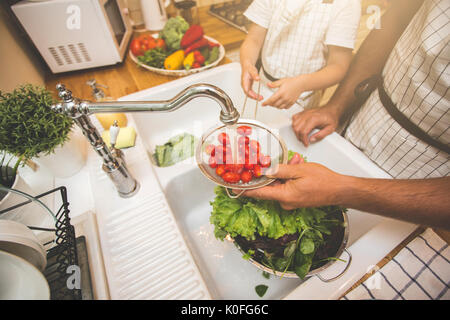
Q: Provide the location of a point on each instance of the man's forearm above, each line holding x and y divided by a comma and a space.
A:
424, 202
374, 52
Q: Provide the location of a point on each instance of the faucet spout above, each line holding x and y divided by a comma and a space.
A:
228, 115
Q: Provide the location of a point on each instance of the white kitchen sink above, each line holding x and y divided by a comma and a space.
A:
223, 272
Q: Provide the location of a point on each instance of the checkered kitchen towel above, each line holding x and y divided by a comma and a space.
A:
419, 271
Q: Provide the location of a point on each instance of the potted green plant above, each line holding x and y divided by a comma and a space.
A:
29, 129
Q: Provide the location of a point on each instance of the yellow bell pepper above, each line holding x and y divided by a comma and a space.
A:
174, 61
189, 60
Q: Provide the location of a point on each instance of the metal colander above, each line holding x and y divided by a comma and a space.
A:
271, 144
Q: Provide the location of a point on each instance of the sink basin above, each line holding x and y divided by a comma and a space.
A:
222, 272
226, 273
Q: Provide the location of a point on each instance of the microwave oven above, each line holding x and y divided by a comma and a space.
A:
76, 34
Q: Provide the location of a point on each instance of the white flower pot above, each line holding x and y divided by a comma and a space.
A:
68, 159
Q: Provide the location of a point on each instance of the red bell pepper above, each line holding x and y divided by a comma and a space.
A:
196, 45
194, 33
213, 44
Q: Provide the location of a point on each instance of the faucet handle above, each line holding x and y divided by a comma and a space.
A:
113, 133
64, 93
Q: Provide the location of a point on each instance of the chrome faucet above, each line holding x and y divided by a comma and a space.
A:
113, 164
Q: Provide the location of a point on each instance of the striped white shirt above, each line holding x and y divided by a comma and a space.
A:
299, 31
417, 78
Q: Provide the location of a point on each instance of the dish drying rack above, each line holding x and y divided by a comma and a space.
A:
61, 250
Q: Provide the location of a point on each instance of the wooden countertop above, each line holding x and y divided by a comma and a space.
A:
125, 78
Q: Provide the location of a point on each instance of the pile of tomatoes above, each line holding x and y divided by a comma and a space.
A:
144, 43
250, 160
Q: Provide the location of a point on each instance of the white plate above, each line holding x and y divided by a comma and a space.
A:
180, 73
20, 280
18, 239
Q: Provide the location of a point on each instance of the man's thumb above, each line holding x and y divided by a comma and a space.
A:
282, 171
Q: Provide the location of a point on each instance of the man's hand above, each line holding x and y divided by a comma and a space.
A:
248, 76
305, 185
324, 119
289, 90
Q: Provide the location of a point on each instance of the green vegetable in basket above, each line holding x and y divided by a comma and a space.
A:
213, 55
173, 32
205, 53
248, 217
154, 58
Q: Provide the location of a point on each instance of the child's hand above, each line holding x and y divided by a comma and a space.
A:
288, 93
250, 74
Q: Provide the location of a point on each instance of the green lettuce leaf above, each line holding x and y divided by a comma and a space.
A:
175, 150
249, 217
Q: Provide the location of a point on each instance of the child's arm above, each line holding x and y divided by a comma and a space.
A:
249, 52
289, 91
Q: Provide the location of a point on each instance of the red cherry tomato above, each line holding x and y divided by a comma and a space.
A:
243, 140
252, 159
147, 42
241, 159
257, 171
228, 155
220, 170
246, 151
223, 138
210, 149
242, 149
218, 154
231, 177
160, 43
223, 154
238, 168
229, 167
244, 130
255, 146
249, 166
265, 161
135, 47
212, 162
219, 150
152, 43
246, 176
